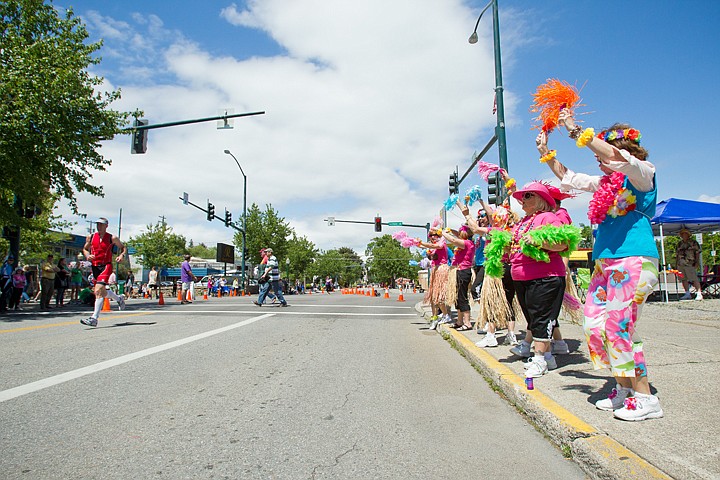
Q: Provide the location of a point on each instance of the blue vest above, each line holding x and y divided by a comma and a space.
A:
629, 235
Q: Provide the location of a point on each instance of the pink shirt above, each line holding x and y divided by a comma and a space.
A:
563, 216
525, 268
441, 256
465, 256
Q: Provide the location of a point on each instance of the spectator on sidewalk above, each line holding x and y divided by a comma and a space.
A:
18, 282
6, 284
75, 281
153, 282
187, 277
62, 282
687, 259
47, 282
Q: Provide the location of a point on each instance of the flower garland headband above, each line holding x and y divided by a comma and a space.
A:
629, 133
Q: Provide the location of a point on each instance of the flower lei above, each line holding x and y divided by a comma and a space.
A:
611, 198
629, 133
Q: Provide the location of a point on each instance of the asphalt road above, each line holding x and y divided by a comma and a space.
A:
336, 386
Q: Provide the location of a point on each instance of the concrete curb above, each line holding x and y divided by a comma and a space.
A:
600, 456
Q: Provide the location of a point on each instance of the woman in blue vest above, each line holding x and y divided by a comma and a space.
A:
625, 256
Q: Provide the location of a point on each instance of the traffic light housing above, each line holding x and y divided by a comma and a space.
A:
228, 218
453, 184
210, 212
495, 191
378, 224
139, 137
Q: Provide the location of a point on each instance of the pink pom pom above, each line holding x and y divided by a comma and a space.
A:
571, 302
399, 235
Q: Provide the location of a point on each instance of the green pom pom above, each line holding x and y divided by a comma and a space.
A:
494, 250
552, 235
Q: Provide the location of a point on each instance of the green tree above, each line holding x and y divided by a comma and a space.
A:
301, 253
265, 229
201, 250
52, 117
388, 261
586, 232
343, 265
159, 246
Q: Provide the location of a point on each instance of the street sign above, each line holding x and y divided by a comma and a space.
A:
331, 221
395, 224
186, 197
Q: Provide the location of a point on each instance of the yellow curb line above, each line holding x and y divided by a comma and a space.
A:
603, 450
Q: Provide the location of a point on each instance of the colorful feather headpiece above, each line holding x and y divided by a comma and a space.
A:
550, 98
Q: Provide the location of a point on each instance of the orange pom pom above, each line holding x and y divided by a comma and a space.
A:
550, 98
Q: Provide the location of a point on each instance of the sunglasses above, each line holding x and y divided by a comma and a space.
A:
527, 195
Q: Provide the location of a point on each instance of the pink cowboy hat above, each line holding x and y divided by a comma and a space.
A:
538, 189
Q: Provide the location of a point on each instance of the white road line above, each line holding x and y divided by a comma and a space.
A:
288, 312
81, 372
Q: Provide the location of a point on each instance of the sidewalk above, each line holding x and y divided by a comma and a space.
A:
681, 345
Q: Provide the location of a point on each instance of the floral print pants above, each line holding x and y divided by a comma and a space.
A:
618, 288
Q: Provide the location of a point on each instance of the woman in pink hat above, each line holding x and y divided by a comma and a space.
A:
539, 285
625, 256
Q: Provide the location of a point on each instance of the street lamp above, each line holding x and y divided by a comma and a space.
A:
244, 238
500, 129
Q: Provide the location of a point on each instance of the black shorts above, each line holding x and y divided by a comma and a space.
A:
541, 300
102, 273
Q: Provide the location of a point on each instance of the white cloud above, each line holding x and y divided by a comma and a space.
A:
373, 106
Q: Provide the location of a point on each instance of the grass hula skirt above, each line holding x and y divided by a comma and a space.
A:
451, 293
571, 302
439, 284
493, 304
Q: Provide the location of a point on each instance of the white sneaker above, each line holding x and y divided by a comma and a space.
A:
639, 407
511, 339
615, 400
537, 368
559, 347
488, 341
550, 360
434, 324
521, 350
446, 319
121, 302
479, 330
687, 296
699, 296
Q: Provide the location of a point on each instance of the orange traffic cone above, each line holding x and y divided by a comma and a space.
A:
146, 295
189, 296
179, 296
161, 301
205, 295
106, 305
387, 293
401, 298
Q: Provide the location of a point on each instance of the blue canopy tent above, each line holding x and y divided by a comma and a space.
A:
674, 214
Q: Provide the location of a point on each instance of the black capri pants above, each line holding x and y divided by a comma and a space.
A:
463, 284
541, 300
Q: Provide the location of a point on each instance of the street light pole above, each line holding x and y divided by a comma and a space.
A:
500, 128
244, 238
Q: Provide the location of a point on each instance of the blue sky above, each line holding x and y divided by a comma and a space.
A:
371, 105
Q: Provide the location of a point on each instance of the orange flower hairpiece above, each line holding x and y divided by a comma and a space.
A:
550, 98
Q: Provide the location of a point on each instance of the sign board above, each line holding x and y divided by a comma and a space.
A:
395, 224
185, 198
225, 253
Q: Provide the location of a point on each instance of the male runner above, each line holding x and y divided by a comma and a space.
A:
98, 250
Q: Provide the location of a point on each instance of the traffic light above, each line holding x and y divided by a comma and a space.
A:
228, 218
378, 224
210, 212
453, 183
495, 189
139, 137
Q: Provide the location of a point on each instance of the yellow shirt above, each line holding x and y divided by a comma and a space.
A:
48, 270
